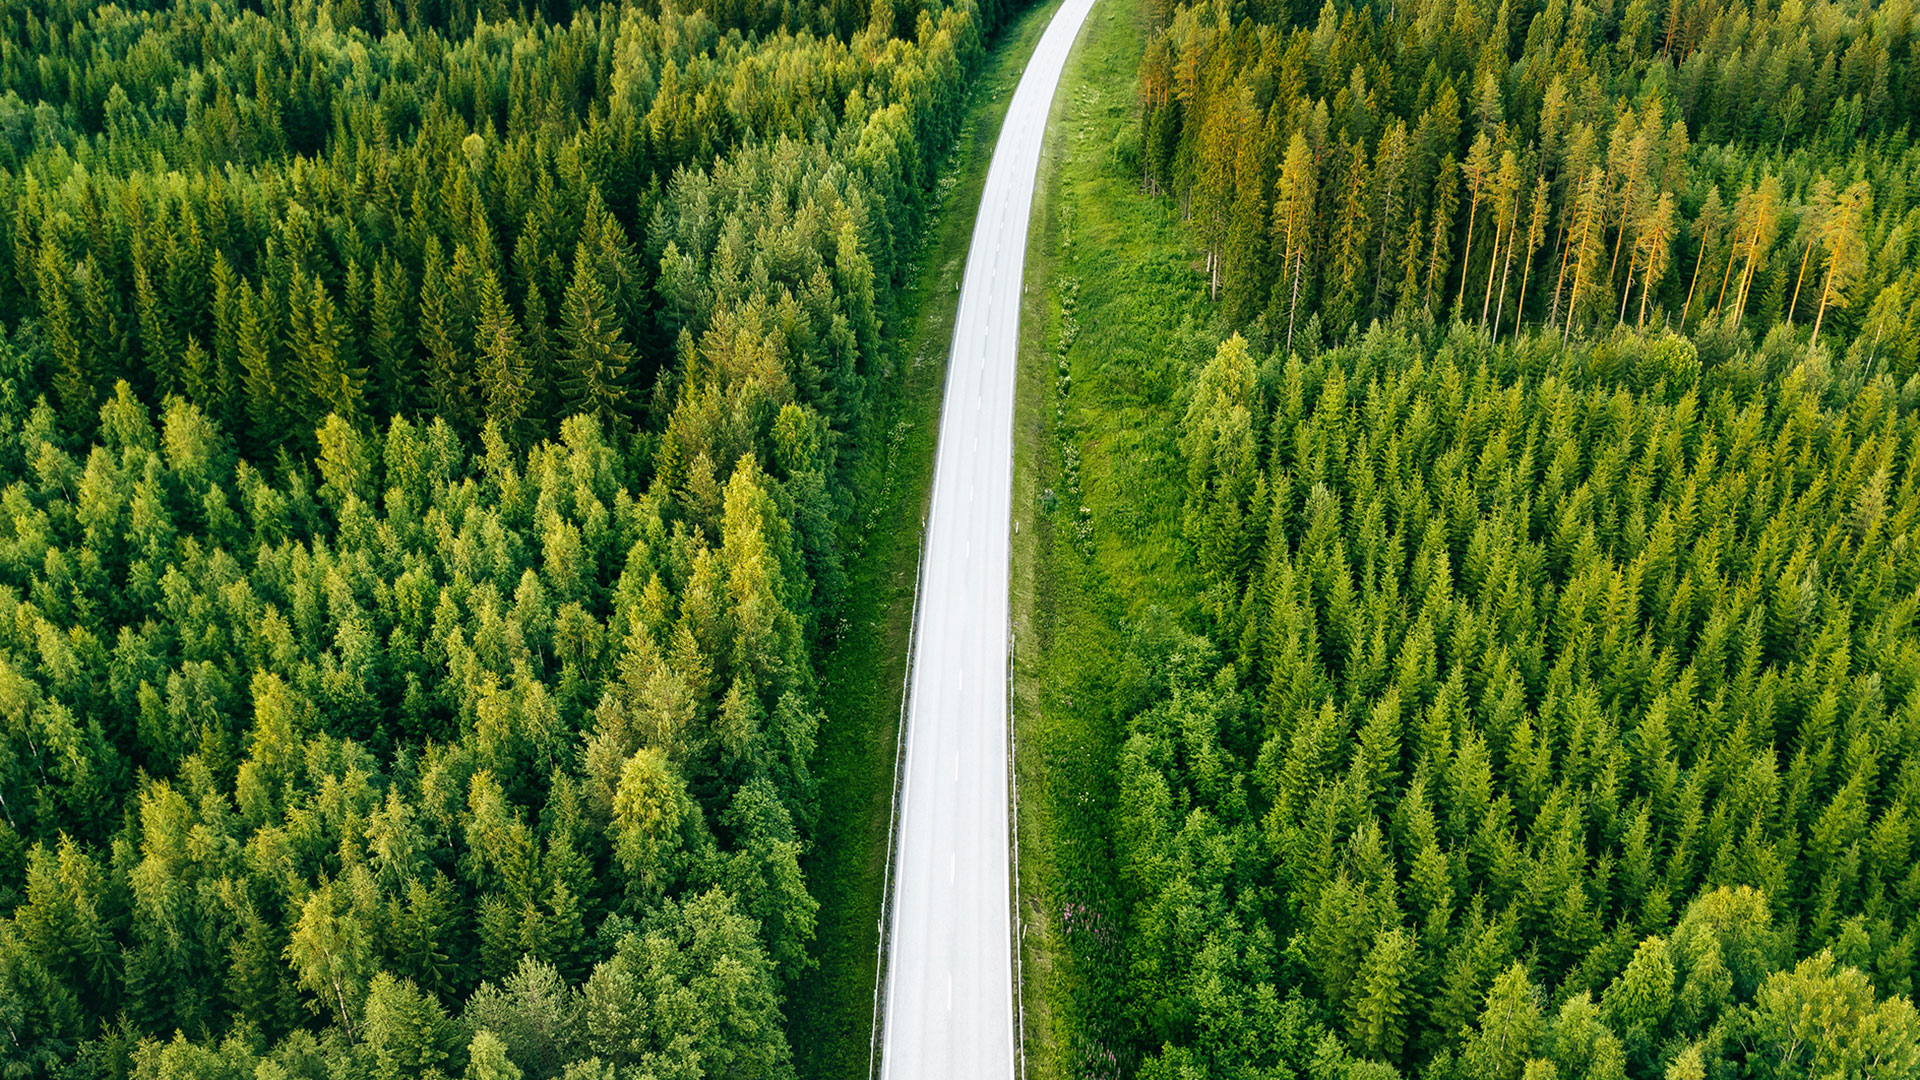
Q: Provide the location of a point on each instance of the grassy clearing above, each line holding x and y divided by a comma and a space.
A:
1107, 334
830, 1015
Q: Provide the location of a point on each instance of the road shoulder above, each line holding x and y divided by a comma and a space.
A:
1097, 514
862, 676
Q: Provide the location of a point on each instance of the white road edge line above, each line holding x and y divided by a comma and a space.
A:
949, 929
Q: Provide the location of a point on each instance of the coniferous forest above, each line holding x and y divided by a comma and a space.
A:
1550, 707
425, 449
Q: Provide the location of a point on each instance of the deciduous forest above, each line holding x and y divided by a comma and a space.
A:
425, 441
1550, 703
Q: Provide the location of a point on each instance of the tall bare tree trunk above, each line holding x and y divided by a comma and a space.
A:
1626, 293
1826, 294
1693, 284
1293, 305
1486, 300
1733, 249
1506, 271
1466, 257
1746, 276
1802, 276
1626, 206
1560, 280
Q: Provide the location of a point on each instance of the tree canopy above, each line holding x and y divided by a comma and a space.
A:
1550, 708
1546, 704
425, 445
1555, 163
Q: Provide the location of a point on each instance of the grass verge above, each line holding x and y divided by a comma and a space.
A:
1113, 317
830, 1013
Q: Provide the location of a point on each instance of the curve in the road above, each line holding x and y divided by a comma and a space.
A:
949, 993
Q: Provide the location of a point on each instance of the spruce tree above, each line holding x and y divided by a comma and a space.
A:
593, 364
269, 417
502, 362
74, 381
393, 379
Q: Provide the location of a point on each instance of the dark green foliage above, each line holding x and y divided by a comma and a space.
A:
1649, 163
397, 237
423, 461
1549, 710
1562, 698
428, 721
594, 361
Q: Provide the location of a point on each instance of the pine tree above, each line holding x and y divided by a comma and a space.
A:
445, 334
198, 377
1845, 243
406, 1032
1391, 161
1213, 191
1636, 1005
1506, 218
1509, 1027
157, 343
98, 302
1760, 221
258, 984
331, 955
1630, 164
225, 388
1245, 250
1813, 218
487, 1059
1217, 436
1411, 262
649, 811
536, 343
1706, 229
1293, 212
1653, 250
1585, 246
1536, 235
1478, 168
328, 381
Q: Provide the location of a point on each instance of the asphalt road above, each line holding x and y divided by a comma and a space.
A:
949, 995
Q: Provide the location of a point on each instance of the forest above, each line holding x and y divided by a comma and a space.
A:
1549, 704
426, 434
1554, 715
1546, 164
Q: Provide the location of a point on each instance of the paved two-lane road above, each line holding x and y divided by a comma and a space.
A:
949, 996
